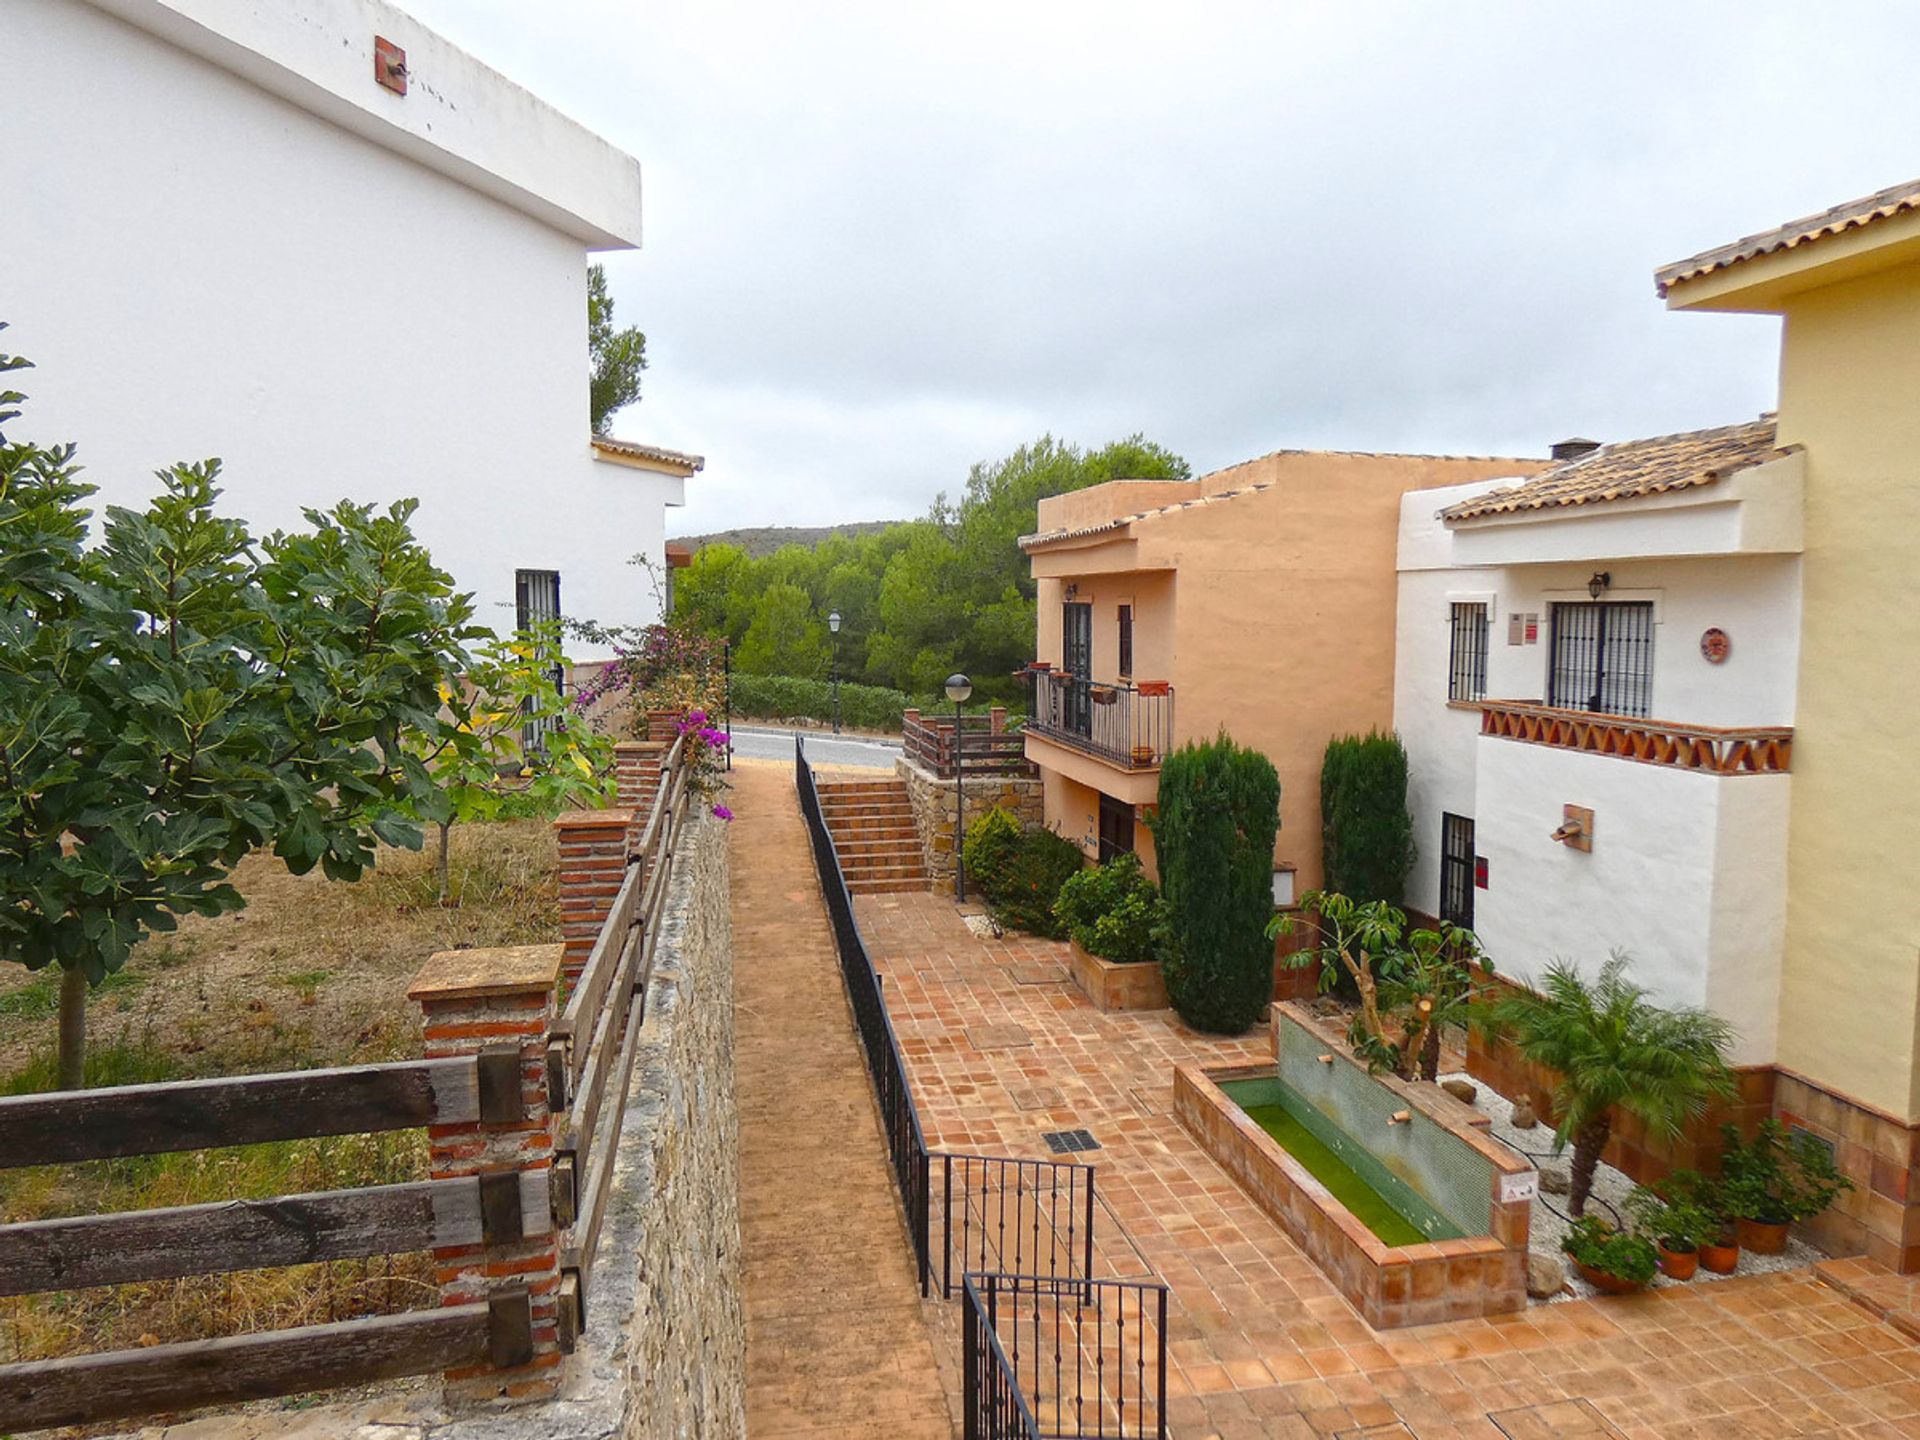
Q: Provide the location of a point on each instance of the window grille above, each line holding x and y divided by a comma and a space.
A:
1467, 653
1602, 657
1456, 870
1126, 640
536, 600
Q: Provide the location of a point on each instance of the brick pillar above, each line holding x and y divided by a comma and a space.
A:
593, 862
997, 719
498, 1004
664, 725
636, 767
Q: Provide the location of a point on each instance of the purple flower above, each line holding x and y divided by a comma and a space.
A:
723, 812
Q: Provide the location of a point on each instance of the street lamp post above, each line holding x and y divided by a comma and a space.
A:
958, 689
833, 624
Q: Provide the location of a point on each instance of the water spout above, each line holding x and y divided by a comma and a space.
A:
1400, 1117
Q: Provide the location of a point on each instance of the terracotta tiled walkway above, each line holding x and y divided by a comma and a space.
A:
1001, 1047
836, 1346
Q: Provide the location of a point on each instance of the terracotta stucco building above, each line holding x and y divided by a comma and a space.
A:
1258, 599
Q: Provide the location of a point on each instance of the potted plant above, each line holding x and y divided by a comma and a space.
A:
1613, 1049
1719, 1245
1774, 1180
1616, 1261
1678, 1225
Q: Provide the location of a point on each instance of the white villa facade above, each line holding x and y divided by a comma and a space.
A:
325, 245
1595, 682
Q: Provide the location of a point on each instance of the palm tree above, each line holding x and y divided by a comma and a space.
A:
1613, 1049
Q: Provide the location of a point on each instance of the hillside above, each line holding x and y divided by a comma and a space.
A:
763, 541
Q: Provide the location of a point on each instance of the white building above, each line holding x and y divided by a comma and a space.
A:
320, 242
1594, 679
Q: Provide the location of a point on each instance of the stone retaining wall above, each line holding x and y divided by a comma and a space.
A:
933, 809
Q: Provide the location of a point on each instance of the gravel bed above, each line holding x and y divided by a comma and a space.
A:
1610, 1189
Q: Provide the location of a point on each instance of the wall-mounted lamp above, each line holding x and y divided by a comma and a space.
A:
1070, 592
1597, 586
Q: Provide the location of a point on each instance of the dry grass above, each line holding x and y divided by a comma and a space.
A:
311, 973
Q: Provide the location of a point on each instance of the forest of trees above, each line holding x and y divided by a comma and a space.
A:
918, 600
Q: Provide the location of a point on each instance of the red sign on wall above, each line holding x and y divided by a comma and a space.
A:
1479, 872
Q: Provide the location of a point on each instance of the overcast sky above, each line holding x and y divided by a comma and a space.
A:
887, 240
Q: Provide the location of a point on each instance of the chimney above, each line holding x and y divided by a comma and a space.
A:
1573, 449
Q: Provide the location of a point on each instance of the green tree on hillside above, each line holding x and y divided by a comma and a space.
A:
786, 637
616, 356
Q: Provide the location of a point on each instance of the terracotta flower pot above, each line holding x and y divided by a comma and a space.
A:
1720, 1256
1763, 1237
1679, 1264
1609, 1284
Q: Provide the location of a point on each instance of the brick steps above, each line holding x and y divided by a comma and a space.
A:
871, 822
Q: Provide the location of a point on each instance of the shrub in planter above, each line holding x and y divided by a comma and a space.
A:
1613, 1260
1677, 1224
1110, 910
1774, 1180
1219, 813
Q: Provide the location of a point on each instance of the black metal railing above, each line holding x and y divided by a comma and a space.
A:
1020, 1217
1130, 726
1063, 1359
906, 1142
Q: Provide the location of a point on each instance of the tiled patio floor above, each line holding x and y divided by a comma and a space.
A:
1002, 1048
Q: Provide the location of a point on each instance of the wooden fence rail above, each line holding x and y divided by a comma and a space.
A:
588, 1052
928, 741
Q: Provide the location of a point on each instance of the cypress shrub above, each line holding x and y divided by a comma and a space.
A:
1219, 813
1367, 833
988, 851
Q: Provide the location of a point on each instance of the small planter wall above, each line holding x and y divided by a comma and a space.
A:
1112, 986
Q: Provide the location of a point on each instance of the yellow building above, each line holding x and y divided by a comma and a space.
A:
1847, 283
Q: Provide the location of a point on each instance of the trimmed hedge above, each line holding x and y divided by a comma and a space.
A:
789, 697
1020, 872
1366, 831
1219, 813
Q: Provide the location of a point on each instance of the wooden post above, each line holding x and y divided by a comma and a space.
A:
593, 862
498, 1004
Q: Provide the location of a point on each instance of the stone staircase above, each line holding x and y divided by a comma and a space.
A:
871, 822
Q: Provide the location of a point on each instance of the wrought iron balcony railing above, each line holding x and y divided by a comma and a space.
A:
1751, 750
1128, 726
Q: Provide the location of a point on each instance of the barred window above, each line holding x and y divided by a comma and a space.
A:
1467, 653
1603, 657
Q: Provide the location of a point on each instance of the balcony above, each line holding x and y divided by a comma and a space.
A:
1755, 750
1129, 727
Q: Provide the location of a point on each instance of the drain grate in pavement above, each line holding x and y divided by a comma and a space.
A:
1070, 1142
1558, 1420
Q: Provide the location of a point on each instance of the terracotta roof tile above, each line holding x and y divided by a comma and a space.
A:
1049, 537
634, 450
1894, 200
1633, 468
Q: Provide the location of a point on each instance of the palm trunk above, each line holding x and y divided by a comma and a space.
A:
440, 867
1587, 1145
72, 1068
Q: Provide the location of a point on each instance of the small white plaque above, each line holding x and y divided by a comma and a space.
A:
1524, 1186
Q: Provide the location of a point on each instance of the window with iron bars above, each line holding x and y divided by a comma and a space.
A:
536, 599
1467, 653
1602, 657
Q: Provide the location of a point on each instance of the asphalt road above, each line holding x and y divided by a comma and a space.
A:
756, 742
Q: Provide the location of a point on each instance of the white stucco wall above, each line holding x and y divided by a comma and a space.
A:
1688, 871
199, 267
